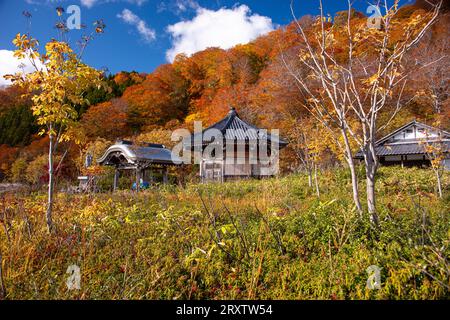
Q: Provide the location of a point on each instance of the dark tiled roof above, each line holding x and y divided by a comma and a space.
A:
400, 149
153, 154
234, 128
412, 146
134, 154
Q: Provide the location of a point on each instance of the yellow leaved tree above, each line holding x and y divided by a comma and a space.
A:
57, 85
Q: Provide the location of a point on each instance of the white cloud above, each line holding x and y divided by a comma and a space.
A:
223, 28
178, 7
184, 5
129, 17
10, 65
88, 3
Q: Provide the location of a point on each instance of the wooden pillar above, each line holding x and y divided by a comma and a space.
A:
222, 179
138, 179
202, 172
165, 176
150, 176
116, 179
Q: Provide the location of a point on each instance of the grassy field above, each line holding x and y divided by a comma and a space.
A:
269, 239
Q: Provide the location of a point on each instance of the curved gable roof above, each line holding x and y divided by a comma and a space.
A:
233, 127
128, 154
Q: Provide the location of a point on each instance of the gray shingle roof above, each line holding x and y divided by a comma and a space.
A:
234, 128
413, 148
134, 154
400, 149
408, 147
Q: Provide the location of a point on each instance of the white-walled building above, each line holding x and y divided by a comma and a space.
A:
406, 146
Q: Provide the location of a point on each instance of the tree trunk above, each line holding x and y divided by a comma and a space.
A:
316, 180
310, 183
371, 204
116, 179
351, 165
439, 183
49, 213
437, 106
371, 170
355, 190
2, 284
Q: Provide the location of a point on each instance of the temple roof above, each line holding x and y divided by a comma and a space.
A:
430, 131
409, 140
234, 128
125, 154
401, 149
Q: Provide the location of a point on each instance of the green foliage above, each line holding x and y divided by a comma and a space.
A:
268, 239
56, 91
17, 126
95, 95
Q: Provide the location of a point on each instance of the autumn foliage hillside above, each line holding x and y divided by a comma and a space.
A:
252, 77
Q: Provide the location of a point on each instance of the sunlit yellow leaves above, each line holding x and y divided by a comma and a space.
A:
60, 83
19, 54
371, 80
304, 56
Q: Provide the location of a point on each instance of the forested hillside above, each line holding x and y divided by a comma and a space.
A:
251, 77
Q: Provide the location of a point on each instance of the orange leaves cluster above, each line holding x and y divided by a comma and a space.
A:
161, 97
7, 156
108, 119
124, 78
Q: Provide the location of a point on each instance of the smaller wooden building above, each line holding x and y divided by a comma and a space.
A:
246, 151
406, 145
143, 160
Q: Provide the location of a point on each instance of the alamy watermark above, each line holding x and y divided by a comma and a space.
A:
73, 22
374, 277
375, 17
74, 280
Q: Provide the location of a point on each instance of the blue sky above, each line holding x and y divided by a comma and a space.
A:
142, 34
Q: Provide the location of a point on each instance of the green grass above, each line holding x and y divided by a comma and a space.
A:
268, 239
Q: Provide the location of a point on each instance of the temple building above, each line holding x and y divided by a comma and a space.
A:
406, 146
143, 160
234, 149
